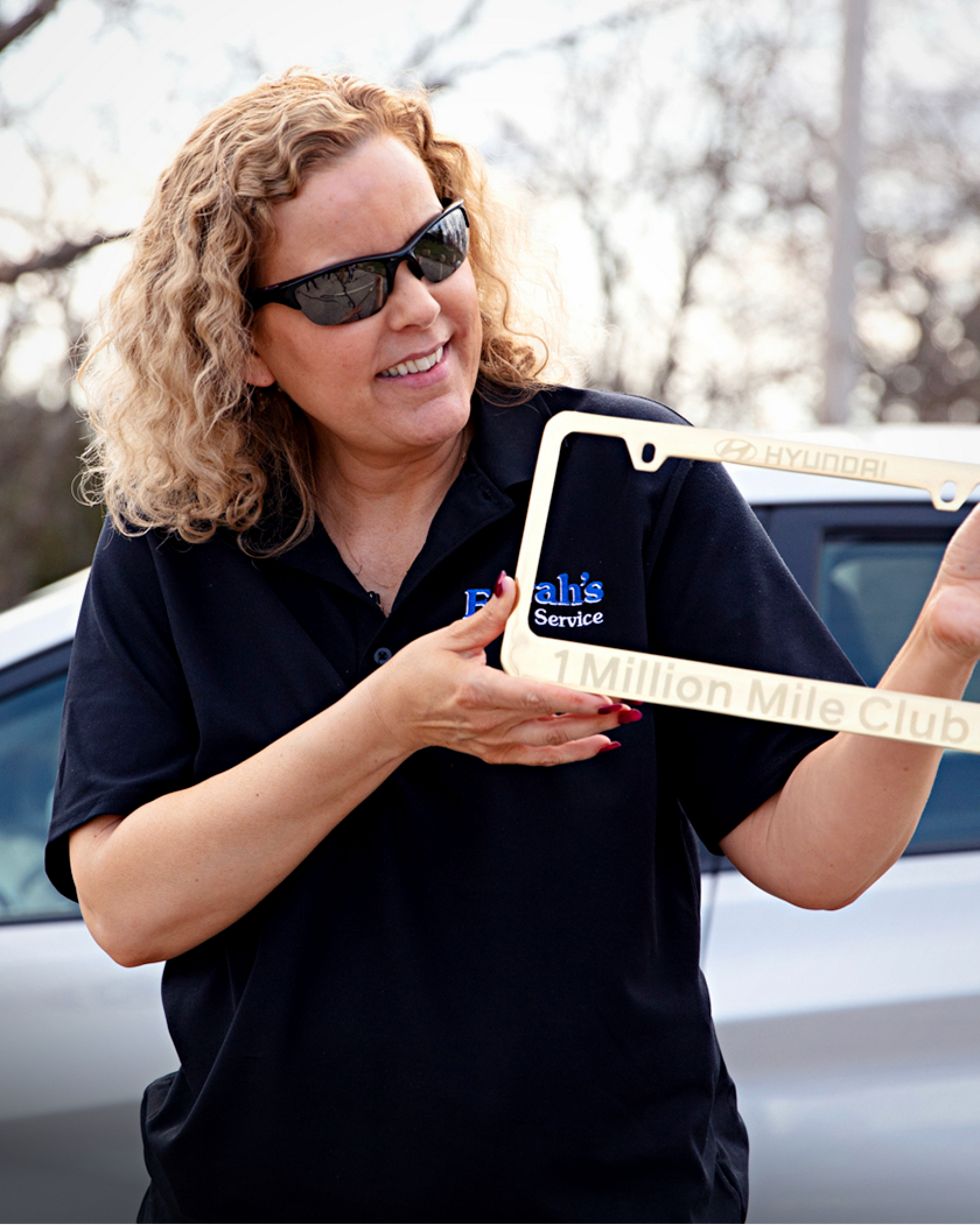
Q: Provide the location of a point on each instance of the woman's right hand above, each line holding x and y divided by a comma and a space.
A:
439, 691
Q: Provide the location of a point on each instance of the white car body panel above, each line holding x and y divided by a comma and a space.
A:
854, 1040
917, 925
57, 981
44, 620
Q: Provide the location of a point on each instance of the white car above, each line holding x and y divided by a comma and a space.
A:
854, 1037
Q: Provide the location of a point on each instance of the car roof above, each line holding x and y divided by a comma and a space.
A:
43, 620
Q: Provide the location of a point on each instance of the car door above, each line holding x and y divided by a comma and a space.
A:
79, 1036
854, 1036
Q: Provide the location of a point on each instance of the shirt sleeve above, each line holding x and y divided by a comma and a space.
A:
720, 593
128, 732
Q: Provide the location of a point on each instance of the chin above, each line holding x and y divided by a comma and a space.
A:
443, 419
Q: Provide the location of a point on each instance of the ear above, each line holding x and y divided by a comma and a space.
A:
257, 372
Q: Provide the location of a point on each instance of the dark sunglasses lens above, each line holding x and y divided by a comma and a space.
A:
355, 292
360, 290
442, 248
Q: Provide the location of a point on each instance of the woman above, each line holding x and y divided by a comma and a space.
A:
406, 979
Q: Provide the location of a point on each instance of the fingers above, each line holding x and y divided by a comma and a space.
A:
558, 755
563, 729
446, 696
555, 741
491, 689
487, 623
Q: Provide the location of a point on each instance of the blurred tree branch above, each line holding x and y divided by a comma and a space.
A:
12, 30
57, 258
44, 533
428, 44
416, 63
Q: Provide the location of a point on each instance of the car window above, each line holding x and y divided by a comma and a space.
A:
29, 723
869, 592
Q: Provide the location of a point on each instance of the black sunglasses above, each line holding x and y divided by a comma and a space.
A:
359, 288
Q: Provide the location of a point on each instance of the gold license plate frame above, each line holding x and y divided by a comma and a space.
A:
742, 692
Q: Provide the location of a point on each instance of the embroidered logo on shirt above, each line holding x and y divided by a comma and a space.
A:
549, 596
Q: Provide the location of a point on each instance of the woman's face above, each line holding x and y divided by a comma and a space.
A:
372, 200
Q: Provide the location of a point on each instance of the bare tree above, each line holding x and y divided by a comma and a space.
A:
731, 165
421, 62
64, 250
669, 213
919, 294
44, 533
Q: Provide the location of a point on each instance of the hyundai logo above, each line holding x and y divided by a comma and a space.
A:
737, 450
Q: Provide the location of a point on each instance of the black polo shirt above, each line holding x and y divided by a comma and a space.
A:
478, 998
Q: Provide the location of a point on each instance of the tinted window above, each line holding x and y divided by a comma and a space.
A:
29, 722
869, 591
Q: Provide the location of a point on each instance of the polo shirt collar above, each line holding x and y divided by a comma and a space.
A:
506, 439
502, 455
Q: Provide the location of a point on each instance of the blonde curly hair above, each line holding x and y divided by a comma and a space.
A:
180, 440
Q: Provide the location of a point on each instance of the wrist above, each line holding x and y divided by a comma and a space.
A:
389, 710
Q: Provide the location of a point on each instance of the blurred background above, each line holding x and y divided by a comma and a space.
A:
763, 212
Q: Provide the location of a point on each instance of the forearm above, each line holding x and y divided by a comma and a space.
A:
185, 866
850, 807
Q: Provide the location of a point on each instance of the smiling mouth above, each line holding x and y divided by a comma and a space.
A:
418, 365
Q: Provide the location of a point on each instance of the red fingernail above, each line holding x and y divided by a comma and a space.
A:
613, 744
498, 590
630, 716
608, 710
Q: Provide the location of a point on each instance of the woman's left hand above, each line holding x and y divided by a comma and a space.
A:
951, 615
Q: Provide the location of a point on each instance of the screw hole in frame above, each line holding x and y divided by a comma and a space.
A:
948, 492
648, 452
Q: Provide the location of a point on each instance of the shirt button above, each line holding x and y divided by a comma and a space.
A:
382, 655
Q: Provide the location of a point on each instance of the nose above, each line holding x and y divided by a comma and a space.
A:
411, 303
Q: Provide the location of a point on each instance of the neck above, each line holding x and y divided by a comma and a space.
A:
378, 514
352, 487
